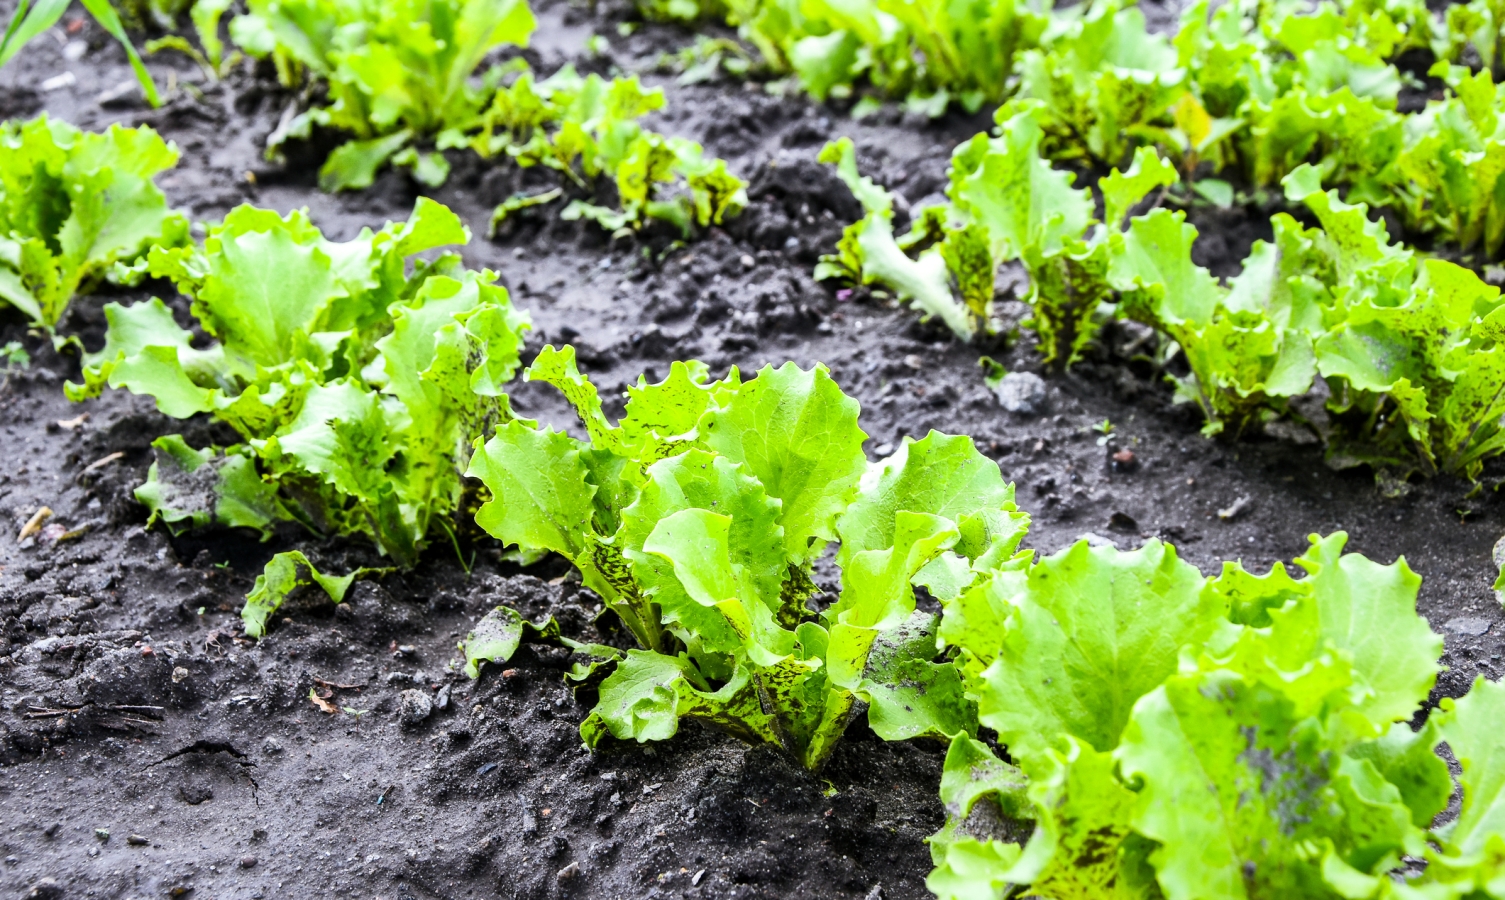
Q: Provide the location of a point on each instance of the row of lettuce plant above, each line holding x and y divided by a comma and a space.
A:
1408, 346
398, 78
1119, 724
1243, 93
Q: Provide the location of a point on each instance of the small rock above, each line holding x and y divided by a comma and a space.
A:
1096, 540
1234, 510
124, 94
271, 746
247, 862
413, 707
441, 699
1022, 393
103, 834
13, 860
914, 362
74, 51
58, 82
1468, 625
568, 872
406, 650
876, 893
695, 879
136, 840
1125, 461
178, 674
46, 889
1122, 521
747, 261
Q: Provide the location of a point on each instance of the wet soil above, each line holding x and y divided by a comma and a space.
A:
147, 750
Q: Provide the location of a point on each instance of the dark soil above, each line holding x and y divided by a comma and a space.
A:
147, 750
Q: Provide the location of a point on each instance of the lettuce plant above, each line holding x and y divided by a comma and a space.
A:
697, 519
74, 203
1103, 84
586, 128
397, 73
927, 53
1006, 203
1180, 736
1452, 165
399, 79
356, 379
1413, 351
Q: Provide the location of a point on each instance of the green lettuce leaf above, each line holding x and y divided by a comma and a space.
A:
72, 205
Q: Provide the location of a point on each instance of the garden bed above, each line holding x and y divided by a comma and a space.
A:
145, 746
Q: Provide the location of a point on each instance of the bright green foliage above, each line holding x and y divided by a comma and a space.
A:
697, 518
502, 630
358, 380
286, 573
1186, 737
1007, 203
32, 17
1453, 163
1249, 347
1103, 83
1408, 346
188, 488
586, 128
72, 204
398, 72
928, 53
1412, 352
869, 254
400, 81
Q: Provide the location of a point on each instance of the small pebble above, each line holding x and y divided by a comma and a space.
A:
103, 834
1022, 393
136, 840
247, 862
413, 706
1468, 625
58, 82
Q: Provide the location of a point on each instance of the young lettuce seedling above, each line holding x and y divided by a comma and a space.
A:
697, 518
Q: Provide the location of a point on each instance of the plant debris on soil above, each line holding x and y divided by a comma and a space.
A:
148, 749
